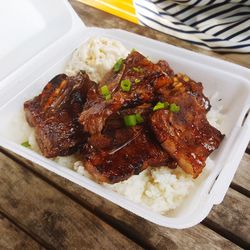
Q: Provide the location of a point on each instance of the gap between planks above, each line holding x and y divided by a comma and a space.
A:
225, 233
14, 237
105, 216
223, 222
26, 233
240, 189
60, 227
107, 219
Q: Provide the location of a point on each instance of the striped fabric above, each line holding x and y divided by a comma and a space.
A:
219, 25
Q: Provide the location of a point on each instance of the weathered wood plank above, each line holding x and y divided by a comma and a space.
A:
242, 176
11, 237
233, 215
145, 232
95, 17
56, 219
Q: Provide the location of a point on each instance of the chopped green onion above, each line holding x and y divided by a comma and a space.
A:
139, 118
118, 65
105, 92
166, 104
26, 144
137, 80
133, 50
130, 120
174, 108
108, 97
136, 69
126, 85
158, 106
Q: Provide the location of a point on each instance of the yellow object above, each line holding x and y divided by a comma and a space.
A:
122, 8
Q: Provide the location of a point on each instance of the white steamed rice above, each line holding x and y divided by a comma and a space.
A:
161, 189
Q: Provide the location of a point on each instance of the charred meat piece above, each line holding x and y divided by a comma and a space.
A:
183, 84
120, 152
165, 67
55, 112
143, 77
138, 152
186, 135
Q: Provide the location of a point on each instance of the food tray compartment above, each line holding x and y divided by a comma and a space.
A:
216, 76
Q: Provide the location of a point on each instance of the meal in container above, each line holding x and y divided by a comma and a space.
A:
131, 124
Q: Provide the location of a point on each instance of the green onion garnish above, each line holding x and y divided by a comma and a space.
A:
118, 65
108, 97
158, 106
105, 92
26, 144
137, 80
162, 105
139, 118
126, 85
136, 69
166, 104
174, 108
130, 120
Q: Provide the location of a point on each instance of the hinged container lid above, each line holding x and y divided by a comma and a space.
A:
28, 27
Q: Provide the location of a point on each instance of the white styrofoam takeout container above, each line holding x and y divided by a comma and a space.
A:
38, 38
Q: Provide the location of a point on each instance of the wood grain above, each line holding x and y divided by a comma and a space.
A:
233, 215
51, 215
133, 225
242, 176
11, 237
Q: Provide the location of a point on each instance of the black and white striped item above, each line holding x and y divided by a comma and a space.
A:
219, 25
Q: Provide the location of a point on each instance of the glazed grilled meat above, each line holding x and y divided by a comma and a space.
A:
138, 152
144, 77
74, 113
186, 135
120, 152
115, 152
55, 112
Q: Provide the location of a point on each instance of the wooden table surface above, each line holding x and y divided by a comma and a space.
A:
40, 210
